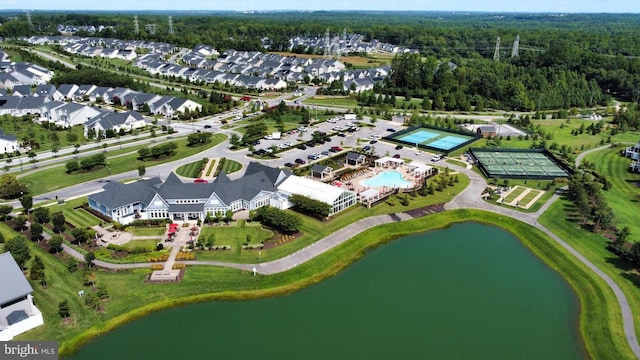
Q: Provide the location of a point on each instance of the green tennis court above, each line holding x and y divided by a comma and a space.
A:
518, 164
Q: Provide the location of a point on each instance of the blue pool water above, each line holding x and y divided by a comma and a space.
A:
392, 179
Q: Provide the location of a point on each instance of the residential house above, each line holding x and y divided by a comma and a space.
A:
21, 90
45, 90
8, 143
65, 92
106, 120
67, 114
18, 313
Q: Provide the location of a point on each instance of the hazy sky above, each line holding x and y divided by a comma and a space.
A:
610, 6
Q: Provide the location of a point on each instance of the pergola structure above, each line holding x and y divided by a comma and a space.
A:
388, 161
420, 170
321, 171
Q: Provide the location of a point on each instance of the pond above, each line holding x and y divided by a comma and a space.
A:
467, 292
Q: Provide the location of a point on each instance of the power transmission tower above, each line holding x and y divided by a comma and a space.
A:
29, 20
327, 46
136, 25
170, 25
514, 51
496, 54
151, 28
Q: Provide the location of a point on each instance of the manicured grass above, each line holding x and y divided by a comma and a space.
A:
593, 246
148, 243
514, 194
599, 319
622, 197
530, 196
342, 101
146, 231
58, 178
190, 170
45, 137
231, 166
234, 236
81, 218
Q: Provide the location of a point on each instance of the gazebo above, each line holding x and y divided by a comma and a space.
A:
368, 196
321, 171
389, 161
420, 170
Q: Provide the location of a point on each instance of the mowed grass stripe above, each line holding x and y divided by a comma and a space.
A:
530, 196
514, 194
231, 166
190, 170
622, 196
81, 218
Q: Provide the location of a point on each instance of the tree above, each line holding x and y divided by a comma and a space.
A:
41, 215
92, 301
102, 292
228, 216
10, 188
36, 273
278, 219
142, 170
80, 235
5, 210
63, 309
312, 207
27, 202
623, 234
55, 243
89, 258
72, 166
19, 249
58, 221
36, 231
234, 140
20, 221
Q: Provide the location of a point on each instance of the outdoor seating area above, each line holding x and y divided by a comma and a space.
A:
355, 174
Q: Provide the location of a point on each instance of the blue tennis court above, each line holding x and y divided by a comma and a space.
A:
448, 142
418, 137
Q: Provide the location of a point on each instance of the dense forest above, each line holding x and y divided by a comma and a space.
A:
565, 60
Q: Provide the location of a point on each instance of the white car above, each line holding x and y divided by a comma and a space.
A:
333, 121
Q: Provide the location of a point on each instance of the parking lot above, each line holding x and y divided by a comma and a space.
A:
368, 134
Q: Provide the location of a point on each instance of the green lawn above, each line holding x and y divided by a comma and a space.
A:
530, 196
593, 246
81, 218
514, 194
44, 137
233, 236
147, 243
622, 197
231, 166
58, 178
342, 101
146, 231
190, 170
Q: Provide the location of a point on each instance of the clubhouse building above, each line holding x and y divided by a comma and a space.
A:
179, 201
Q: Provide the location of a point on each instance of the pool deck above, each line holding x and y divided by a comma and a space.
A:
354, 183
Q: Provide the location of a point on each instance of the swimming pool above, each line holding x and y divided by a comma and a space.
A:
391, 179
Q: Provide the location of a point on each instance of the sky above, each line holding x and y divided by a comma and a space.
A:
564, 6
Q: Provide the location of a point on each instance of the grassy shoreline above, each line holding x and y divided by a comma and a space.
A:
600, 321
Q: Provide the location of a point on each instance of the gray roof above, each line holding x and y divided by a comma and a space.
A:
174, 188
13, 284
21, 90
354, 156
117, 194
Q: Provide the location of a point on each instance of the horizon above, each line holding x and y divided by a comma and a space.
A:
463, 6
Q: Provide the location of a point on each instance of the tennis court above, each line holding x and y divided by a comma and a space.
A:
519, 164
432, 138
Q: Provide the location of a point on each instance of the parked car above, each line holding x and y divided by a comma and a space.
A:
391, 130
313, 157
436, 158
373, 141
342, 134
311, 144
289, 164
300, 161
398, 147
207, 126
397, 156
302, 147
333, 121
366, 148
335, 149
326, 153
